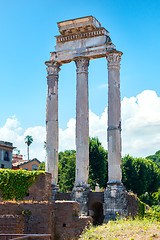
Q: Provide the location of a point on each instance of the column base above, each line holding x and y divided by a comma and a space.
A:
115, 201
54, 190
80, 194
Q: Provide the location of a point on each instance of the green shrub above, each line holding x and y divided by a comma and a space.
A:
142, 207
14, 184
153, 213
151, 198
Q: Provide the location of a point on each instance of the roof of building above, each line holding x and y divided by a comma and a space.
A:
23, 162
8, 145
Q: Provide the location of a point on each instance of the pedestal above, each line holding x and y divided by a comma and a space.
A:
54, 190
80, 194
115, 201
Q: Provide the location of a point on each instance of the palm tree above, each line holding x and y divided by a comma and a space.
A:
28, 140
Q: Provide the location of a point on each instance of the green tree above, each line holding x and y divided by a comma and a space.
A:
98, 164
28, 140
140, 175
66, 170
42, 166
155, 158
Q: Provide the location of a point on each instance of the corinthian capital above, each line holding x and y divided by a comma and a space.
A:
82, 64
114, 58
53, 68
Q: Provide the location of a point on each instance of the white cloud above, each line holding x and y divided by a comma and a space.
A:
98, 126
140, 129
67, 136
13, 132
105, 85
141, 124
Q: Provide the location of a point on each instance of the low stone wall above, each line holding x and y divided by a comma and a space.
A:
32, 217
63, 196
11, 223
68, 224
60, 219
132, 205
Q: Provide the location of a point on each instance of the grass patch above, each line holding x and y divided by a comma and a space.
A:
124, 229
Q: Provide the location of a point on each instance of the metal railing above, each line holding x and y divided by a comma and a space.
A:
25, 236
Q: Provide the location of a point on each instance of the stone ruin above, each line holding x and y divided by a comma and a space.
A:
82, 40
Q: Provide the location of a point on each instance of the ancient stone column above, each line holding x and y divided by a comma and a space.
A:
81, 186
52, 120
82, 121
115, 196
114, 118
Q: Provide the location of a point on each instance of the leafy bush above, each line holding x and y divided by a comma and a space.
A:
140, 175
151, 198
153, 213
142, 207
14, 184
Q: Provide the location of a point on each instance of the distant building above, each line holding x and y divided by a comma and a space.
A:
16, 158
30, 165
6, 149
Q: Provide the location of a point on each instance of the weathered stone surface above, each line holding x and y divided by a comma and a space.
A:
115, 202
78, 25
82, 121
80, 194
54, 191
51, 165
114, 117
60, 219
81, 37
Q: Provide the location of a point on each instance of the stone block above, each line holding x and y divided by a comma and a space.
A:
115, 202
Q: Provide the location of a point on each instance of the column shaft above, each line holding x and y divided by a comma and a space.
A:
114, 118
82, 121
52, 121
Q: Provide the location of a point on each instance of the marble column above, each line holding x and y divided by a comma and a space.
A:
81, 187
114, 118
115, 195
82, 121
53, 69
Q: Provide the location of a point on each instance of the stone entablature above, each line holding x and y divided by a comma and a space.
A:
78, 25
89, 34
81, 37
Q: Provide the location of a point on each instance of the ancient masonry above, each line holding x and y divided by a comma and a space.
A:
82, 40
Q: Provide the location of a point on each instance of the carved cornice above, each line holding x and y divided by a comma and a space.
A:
82, 64
78, 24
114, 58
86, 34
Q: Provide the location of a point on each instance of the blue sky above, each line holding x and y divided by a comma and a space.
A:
27, 30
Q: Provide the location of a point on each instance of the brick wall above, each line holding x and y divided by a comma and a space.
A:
60, 219
68, 225
29, 165
27, 217
41, 189
11, 223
